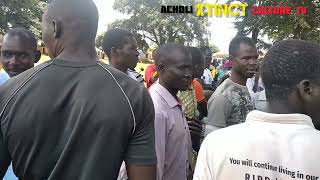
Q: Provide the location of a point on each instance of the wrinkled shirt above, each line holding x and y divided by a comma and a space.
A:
172, 135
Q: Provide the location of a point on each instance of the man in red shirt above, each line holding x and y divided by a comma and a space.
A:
151, 75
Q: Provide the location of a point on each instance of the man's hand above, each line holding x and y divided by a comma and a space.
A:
195, 127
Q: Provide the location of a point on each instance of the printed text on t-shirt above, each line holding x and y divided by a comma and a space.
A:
294, 174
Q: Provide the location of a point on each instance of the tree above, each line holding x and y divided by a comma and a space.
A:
147, 23
21, 13
99, 41
279, 27
214, 48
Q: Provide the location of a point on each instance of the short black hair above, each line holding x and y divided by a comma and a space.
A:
235, 44
25, 34
286, 64
115, 38
196, 54
166, 51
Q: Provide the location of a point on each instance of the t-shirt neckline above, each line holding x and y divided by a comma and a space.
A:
65, 63
279, 118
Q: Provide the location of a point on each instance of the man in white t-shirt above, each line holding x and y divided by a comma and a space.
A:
283, 142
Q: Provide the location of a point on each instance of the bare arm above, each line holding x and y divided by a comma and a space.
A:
141, 172
202, 106
206, 86
207, 94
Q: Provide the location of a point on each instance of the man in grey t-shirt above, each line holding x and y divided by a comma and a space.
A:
231, 102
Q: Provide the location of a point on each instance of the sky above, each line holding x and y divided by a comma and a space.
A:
222, 30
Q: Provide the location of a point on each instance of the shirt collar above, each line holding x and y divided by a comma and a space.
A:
166, 95
279, 118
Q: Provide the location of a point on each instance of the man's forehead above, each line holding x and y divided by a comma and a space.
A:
179, 57
247, 47
16, 43
131, 41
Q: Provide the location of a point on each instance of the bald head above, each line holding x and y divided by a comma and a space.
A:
166, 53
174, 65
69, 23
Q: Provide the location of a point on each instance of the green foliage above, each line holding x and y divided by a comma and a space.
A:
279, 27
149, 24
21, 13
145, 61
214, 48
99, 41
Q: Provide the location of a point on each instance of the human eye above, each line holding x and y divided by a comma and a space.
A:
23, 55
6, 55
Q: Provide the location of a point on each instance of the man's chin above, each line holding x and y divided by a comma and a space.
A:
12, 74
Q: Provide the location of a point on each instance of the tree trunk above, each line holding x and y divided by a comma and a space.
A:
255, 33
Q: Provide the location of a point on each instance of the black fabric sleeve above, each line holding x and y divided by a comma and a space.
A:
141, 147
5, 158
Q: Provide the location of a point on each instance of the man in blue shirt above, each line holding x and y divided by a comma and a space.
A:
19, 51
18, 54
3, 75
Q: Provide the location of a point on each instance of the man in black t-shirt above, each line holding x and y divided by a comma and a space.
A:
74, 117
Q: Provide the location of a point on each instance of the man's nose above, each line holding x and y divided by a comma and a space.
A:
253, 61
188, 73
13, 59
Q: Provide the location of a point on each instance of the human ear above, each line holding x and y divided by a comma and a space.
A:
305, 90
113, 51
37, 56
57, 28
160, 67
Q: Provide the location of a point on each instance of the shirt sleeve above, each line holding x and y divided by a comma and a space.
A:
141, 147
163, 127
219, 108
198, 91
204, 169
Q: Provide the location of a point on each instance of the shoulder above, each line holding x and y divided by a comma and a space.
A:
224, 136
127, 84
137, 95
223, 88
158, 100
17, 82
219, 98
231, 90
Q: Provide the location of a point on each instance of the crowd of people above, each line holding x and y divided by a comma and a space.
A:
75, 117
